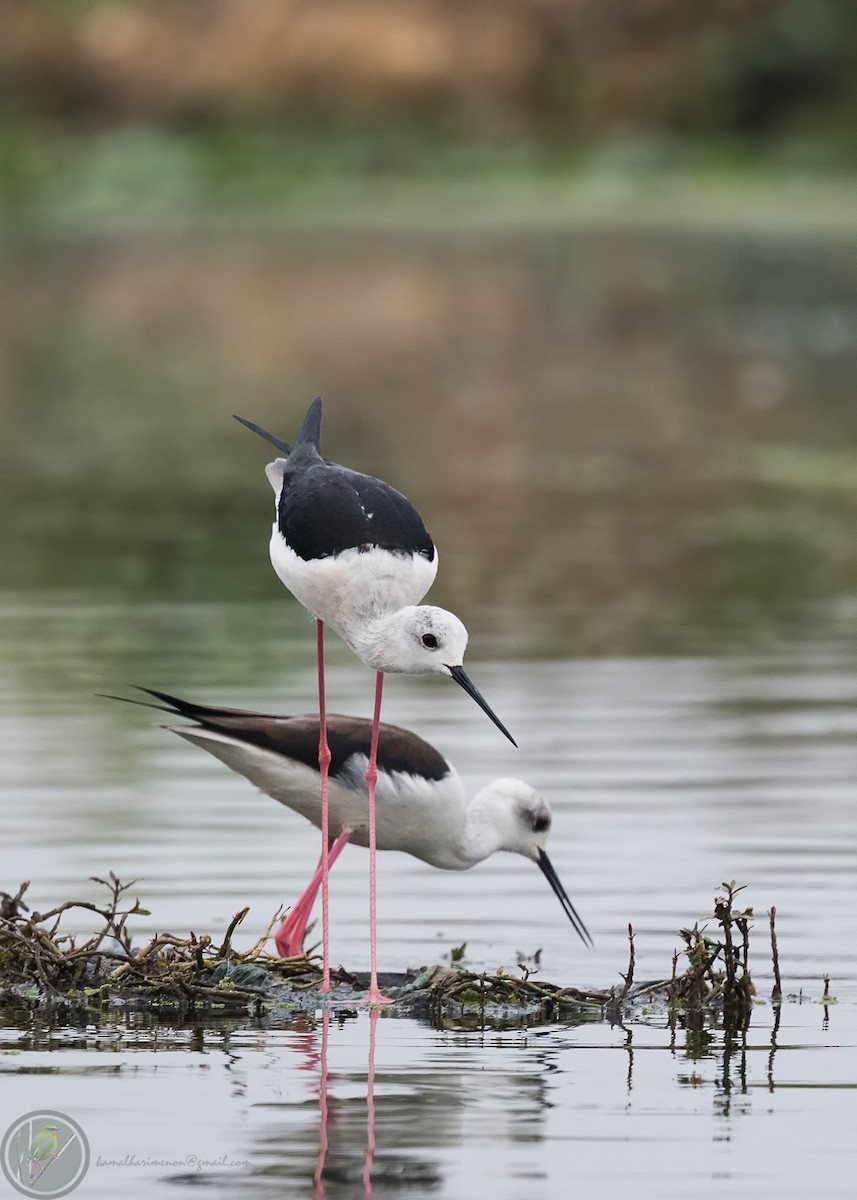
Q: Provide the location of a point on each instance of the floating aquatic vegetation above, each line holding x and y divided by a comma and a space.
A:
42, 965
37, 961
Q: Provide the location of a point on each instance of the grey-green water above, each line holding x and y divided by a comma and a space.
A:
666, 776
636, 456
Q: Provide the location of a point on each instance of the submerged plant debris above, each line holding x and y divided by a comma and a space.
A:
42, 966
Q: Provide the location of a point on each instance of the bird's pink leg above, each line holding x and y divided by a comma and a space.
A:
318, 1191
324, 767
375, 996
370, 1107
290, 936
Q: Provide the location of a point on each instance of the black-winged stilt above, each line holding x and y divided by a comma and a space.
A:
356, 554
422, 807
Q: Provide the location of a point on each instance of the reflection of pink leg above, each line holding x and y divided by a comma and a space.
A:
324, 767
374, 996
370, 1107
290, 936
318, 1190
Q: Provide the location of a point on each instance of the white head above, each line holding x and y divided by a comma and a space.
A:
420, 640
518, 816
515, 817
416, 640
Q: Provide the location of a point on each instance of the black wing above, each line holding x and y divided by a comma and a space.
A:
325, 509
399, 750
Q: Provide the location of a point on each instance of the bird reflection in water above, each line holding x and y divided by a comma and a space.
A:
318, 1174
370, 1106
322, 1106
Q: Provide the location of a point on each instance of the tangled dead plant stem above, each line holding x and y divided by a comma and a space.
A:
718, 971
38, 960
33, 950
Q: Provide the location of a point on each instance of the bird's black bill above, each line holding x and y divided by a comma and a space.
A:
461, 677
263, 433
560, 892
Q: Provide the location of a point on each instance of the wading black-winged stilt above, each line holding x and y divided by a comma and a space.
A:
422, 807
356, 554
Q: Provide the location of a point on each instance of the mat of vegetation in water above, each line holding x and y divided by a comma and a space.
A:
45, 967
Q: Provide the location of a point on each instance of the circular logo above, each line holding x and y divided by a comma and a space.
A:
44, 1153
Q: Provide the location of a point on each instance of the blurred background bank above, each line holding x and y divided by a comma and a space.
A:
578, 277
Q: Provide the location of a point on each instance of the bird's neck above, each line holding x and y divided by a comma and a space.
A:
374, 637
484, 827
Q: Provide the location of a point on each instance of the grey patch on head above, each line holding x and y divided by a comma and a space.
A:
274, 472
534, 815
424, 627
424, 619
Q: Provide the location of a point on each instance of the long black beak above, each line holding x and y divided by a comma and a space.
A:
561, 895
263, 433
461, 677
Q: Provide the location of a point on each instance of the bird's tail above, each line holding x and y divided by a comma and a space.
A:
263, 433
310, 431
308, 435
179, 708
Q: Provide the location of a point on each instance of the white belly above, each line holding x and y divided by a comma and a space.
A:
420, 817
354, 587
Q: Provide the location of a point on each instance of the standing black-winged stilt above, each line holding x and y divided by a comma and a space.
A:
422, 807
356, 554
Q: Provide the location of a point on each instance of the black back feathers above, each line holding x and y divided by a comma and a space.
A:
324, 509
296, 738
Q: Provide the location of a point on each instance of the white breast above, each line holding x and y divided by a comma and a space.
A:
418, 816
354, 587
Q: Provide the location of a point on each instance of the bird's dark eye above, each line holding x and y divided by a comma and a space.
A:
429, 641
541, 823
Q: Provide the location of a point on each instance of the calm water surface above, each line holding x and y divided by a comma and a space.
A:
666, 775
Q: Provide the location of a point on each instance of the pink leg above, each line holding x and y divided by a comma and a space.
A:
370, 1107
290, 936
324, 767
322, 1110
375, 996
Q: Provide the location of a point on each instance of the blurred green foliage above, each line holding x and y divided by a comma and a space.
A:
124, 111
